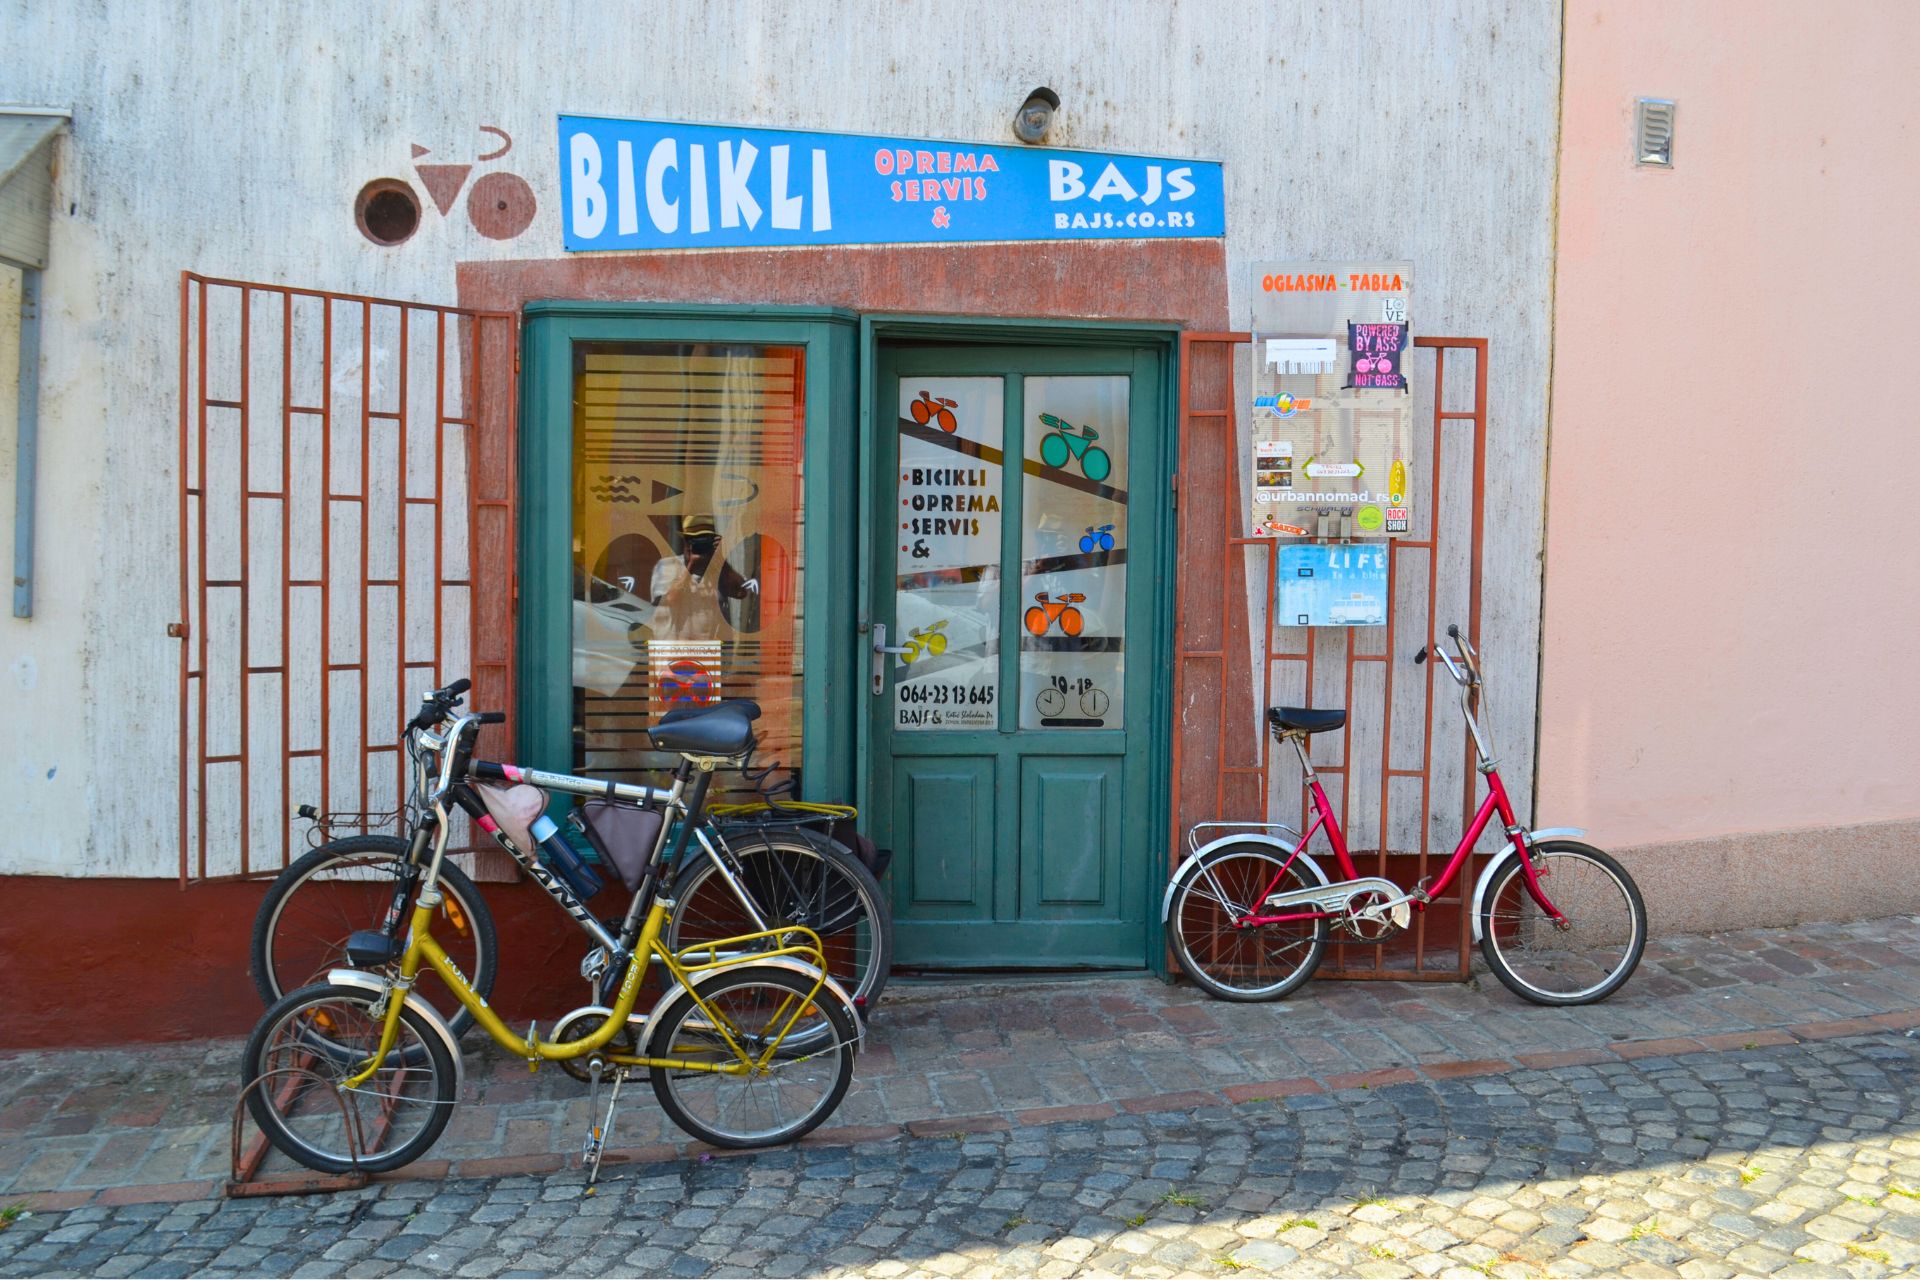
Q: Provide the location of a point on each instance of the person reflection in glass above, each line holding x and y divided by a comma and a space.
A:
688, 587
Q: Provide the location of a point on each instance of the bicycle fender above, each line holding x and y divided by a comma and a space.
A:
1499, 860
374, 982
1166, 898
800, 967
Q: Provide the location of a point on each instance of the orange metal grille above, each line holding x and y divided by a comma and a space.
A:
346, 541
1223, 762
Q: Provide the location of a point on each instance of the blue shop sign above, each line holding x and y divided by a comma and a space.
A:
644, 184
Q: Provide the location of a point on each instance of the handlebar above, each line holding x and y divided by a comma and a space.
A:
1462, 664
435, 704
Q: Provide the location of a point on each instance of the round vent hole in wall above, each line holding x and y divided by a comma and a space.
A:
387, 211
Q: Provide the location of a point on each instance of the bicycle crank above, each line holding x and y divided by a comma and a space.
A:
1369, 902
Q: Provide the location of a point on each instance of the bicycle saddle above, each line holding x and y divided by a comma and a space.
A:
1305, 719
723, 729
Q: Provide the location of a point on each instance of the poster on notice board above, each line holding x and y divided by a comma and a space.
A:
1332, 413
1332, 585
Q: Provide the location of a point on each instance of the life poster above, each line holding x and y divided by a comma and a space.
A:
1332, 585
1331, 418
947, 590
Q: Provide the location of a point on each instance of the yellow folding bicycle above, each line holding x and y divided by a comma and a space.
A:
751, 1045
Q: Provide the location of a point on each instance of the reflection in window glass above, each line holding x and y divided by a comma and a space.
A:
686, 532
947, 596
1074, 553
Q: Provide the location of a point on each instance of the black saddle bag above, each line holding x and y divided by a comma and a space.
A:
624, 835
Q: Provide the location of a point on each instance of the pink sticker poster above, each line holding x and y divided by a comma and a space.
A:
1376, 356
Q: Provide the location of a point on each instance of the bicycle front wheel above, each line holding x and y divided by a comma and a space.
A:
301, 928
1233, 961
1587, 958
757, 1007
309, 1044
792, 879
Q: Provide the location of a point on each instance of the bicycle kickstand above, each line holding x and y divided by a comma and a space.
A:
599, 1128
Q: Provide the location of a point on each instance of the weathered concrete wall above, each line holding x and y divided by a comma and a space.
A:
232, 139
1730, 659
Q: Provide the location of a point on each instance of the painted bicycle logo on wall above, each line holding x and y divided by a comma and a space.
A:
499, 204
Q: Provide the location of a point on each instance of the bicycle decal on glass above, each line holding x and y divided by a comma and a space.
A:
1052, 702
1069, 442
1100, 539
926, 642
937, 410
1050, 609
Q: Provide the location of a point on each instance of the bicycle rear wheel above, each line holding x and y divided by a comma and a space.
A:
753, 1005
314, 1040
1583, 961
300, 930
1232, 962
793, 878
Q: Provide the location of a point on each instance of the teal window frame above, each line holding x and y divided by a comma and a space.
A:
830, 663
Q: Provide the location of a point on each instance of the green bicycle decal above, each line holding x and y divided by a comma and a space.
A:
1068, 442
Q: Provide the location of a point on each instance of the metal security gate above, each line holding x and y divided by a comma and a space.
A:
347, 500
1231, 662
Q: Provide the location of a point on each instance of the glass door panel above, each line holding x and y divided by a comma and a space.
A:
1074, 553
687, 575
947, 593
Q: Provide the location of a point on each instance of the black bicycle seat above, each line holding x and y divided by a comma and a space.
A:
719, 730
1305, 719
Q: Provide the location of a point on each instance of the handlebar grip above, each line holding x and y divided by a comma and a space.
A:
458, 687
1453, 629
1421, 656
493, 717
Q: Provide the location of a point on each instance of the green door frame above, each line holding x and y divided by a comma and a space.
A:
830, 669
843, 357
1161, 340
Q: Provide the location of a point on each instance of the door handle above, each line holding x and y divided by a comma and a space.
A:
880, 651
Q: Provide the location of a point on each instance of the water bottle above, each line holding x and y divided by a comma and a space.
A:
562, 860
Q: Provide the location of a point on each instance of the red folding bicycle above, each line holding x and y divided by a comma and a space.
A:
1249, 915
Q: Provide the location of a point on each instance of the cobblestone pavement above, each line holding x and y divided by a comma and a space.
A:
943, 1056
1795, 1159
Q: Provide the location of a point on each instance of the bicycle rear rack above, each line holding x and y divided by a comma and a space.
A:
1193, 833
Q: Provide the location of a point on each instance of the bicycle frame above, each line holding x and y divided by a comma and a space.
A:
1467, 673
626, 944
421, 947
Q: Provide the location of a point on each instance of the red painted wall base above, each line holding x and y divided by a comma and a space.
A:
98, 962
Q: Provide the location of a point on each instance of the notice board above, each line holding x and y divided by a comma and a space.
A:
1332, 413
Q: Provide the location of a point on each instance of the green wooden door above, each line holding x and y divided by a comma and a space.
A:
1014, 489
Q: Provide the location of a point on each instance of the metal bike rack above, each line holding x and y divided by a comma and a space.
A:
245, 1181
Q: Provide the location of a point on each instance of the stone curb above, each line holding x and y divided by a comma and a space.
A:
961, 1126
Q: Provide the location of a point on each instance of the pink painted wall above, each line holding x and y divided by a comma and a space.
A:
1732, 615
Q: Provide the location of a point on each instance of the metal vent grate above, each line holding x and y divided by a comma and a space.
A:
1653, 132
